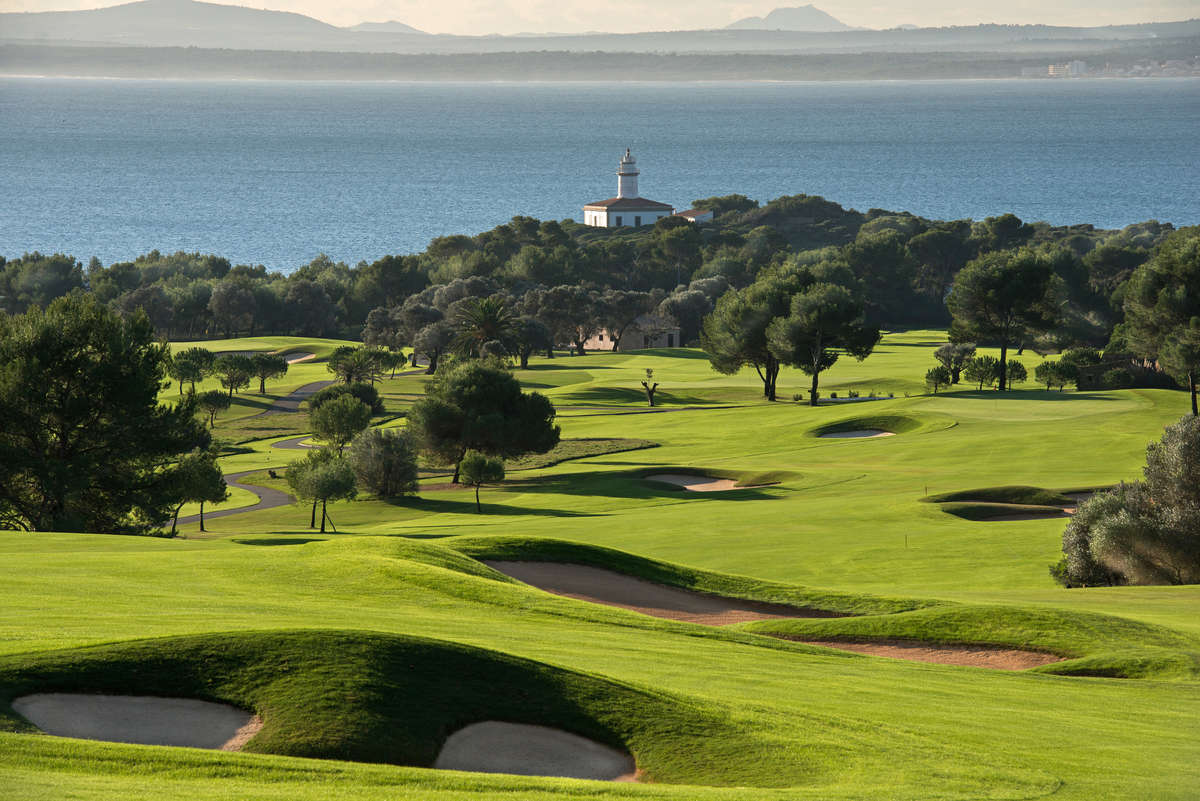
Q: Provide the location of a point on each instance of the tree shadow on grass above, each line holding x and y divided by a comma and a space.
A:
467, 506
547, 368
628, 484
627, 395
1025, 395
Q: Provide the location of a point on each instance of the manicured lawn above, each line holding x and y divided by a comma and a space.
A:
361, 645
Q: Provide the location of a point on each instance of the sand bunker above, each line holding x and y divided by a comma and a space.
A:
296, 358
696, 483
145, 720
969, 655
496, 747
865, 433
616, 589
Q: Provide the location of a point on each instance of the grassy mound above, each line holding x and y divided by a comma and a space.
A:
1093, 644
382, 698
673, 575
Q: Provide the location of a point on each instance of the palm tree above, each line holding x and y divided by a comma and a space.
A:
483, 320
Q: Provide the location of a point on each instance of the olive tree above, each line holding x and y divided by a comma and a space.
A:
1144, 532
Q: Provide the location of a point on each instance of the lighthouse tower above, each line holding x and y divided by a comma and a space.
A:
627, 174
627, 208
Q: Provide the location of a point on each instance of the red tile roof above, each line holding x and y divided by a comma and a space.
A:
629, 204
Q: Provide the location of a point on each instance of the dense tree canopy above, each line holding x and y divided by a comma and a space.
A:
85, 444
1162, 306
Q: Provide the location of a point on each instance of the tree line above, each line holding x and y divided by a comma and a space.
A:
905, 264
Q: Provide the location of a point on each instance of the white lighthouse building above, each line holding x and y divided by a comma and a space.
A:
627, 208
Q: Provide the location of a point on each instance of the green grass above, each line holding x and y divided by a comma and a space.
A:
398, 596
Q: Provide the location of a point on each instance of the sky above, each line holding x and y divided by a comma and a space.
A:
625, 16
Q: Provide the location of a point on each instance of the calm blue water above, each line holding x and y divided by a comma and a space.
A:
275, 173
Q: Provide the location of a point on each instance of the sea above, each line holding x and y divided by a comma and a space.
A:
275, 173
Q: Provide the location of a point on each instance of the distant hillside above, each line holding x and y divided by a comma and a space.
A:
187, 23
391, 26
801, 18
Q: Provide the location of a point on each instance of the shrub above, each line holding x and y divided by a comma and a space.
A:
1118, 378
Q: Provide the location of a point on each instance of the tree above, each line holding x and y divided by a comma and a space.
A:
823, 319
235, 370
1162, 308
233, 304
267, 365
1052, 374
531, 335
382, 329
333, 481
475, 406
339, 420
1003, 297
479, 469
385, 462
309, 309
299, 474
321, 476
982, 370
191, 365
735, 334
937, 377
200, 481
618, 309
364, 392
1144, 532
433, 340
354, 365
480, 320
572, 312
650, 388
1016, 373
954, 356
213, 401
84, 443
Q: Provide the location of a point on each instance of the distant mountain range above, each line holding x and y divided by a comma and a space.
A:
801, 18
802, 30
391, 26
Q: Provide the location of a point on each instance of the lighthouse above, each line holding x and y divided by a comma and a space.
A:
627, 173
627, 208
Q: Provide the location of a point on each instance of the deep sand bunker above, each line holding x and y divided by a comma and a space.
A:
865, 433
968, 655
696, 483
617, 589
145, 720
496, 747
